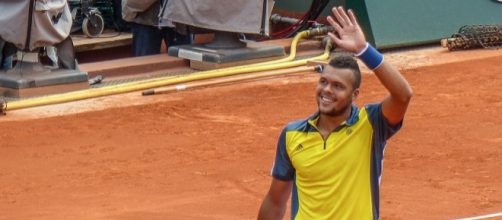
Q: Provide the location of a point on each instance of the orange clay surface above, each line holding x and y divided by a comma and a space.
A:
207, 153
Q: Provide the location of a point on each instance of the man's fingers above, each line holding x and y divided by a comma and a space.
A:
352, 17
344, 16
335, 38
333, 23
338, 17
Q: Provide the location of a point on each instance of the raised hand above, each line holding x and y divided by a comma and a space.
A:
349, 36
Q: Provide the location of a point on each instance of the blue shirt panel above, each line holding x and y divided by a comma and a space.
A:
283, 169
382, 131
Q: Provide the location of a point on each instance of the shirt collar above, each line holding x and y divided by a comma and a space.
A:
353, 118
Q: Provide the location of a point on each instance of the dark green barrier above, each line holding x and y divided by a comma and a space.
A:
398, 23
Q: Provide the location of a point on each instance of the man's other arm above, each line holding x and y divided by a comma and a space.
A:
273, 206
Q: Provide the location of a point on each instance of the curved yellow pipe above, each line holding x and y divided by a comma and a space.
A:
294, 43
292, 49
154, 83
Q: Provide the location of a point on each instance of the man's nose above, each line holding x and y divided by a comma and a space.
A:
328, 88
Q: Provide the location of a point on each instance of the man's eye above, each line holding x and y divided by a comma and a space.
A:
339, 86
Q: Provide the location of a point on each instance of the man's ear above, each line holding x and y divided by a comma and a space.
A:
355, 93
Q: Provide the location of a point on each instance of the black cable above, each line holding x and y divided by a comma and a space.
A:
312, 14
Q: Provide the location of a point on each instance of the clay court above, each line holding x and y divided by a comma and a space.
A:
207, 153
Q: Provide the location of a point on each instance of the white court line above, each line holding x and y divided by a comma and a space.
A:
482, 216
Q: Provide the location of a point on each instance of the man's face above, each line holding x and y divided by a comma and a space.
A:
335, 91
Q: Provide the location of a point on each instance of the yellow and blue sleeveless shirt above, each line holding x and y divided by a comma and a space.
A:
338, 178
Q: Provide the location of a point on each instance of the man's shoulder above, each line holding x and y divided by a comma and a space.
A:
372, 106
379, 122
297, 125
373, 110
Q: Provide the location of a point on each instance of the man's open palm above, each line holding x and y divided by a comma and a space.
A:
349, 35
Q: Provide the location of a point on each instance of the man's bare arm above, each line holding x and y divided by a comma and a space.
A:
274, 204
394, 106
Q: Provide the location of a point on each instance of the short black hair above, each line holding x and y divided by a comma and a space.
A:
348, 62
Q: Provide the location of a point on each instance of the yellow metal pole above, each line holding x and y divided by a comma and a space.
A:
155, 83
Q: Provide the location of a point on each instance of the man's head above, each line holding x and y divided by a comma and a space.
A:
338, 86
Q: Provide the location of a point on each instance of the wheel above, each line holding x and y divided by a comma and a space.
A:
93, 25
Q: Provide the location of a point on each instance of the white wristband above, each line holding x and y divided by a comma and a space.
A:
363, 50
